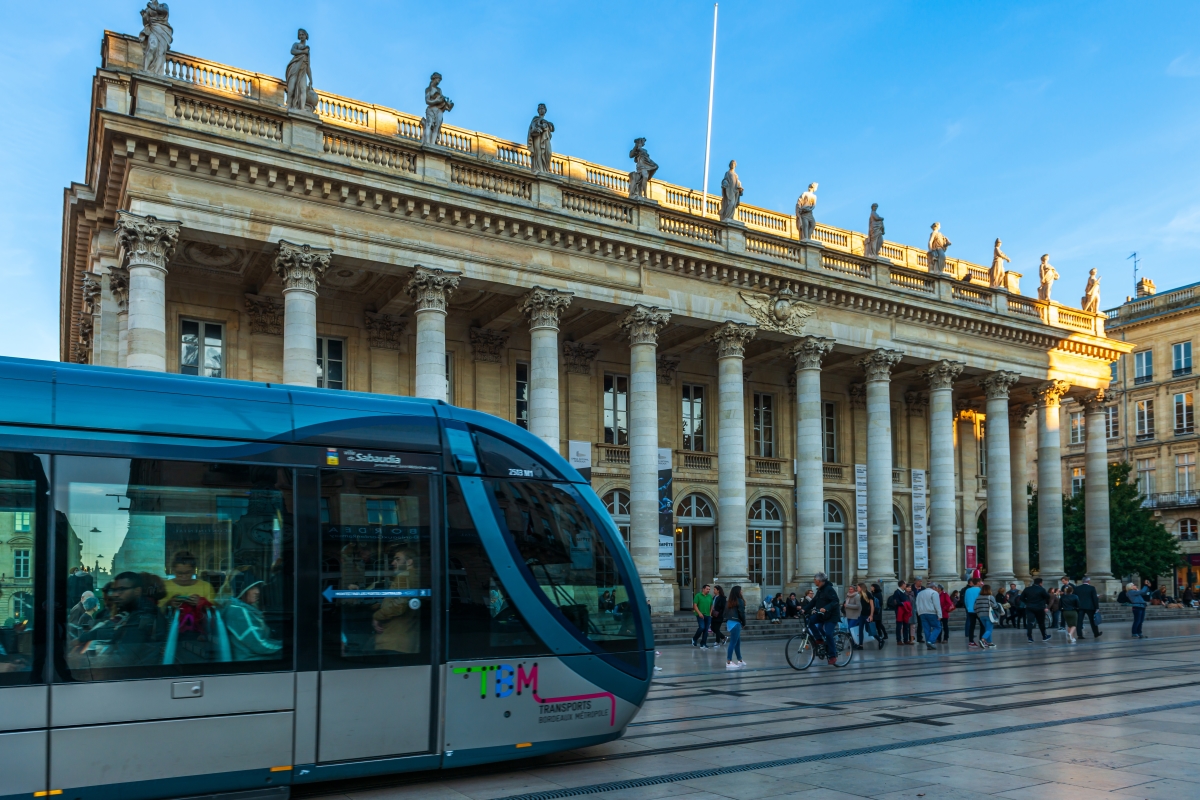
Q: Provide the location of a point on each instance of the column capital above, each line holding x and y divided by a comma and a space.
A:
1018, 414
146, 241
118, 285
965, 411
643, 324
266, 315
543, 307
809, 352
858, 395
1095, 401
878, 364
666, 367
384, 330
996, 385
301, 266
942, 374
916, 403
487, 344
431, 287
578, 357
731, 339
1051, 393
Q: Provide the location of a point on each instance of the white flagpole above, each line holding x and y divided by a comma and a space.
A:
712, 74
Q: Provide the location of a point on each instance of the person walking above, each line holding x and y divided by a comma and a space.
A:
1069, 606
914, 589
1035, 599
702, 608
947, 606
735, 620
718, 614
969, 597
1137, 599
1089, 606
904, 615
929, 611
1016, 615
1054, 607
854, 622
984, 605
870, 613
877, 618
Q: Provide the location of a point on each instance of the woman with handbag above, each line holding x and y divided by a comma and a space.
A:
988, 611
1069, 605
735, 620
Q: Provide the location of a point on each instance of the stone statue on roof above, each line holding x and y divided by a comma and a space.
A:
997, 276
873, 244
1047, 275
1091, 295
300, 94
540, 131
643, 170
731, 194
804, 212
936, 254
436, 104
156, 37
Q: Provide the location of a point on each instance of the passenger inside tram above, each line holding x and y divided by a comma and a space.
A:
396, 621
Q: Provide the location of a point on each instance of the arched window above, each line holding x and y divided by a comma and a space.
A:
617, 504
764, 543
696, 509
895, 542
835, 544
1187, 530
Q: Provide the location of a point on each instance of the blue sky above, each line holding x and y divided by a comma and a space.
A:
1066, 128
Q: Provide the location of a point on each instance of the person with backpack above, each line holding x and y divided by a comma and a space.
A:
826, 615
718, 612
985, 606
735, 620
1035, 598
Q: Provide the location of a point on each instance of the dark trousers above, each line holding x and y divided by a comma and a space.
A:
903, 632
1091, 617
1032, 617
1139, 616
945, 637
972, 621
701, 635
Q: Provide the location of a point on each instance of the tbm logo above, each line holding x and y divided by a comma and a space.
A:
508, 680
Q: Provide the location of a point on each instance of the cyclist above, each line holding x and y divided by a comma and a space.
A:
826, 608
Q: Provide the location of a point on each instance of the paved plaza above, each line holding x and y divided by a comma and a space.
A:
1113, 718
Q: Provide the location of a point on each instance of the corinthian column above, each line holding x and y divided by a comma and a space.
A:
999, 484
543, 307
878, 367
431, 290
731, 339
943, 561
1020, 491
643, 324
146, 246
1095, 491
300, 267
118, 287
1049, 478
810, 474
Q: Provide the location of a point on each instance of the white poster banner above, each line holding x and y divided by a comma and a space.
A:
579, 454
666, 519
920, 526
860, 512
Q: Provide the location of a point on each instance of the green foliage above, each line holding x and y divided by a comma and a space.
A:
1034, 552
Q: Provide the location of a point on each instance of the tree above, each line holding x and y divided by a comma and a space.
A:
1034, 553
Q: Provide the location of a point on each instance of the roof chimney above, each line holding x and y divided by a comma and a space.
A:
1145, 287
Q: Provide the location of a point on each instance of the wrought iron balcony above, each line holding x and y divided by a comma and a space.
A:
1179, 372
1190, 499
1140, 379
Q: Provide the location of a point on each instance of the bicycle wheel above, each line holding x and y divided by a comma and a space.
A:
844, 648
799, 652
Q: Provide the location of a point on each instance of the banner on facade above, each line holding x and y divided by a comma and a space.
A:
972, 561
920, 527
580, 456
860, 512
666, 519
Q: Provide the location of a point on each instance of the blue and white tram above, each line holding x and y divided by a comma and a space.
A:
213, 586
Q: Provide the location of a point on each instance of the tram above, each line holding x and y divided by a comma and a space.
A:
213, 587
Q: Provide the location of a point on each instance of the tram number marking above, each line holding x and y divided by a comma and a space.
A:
510, 681
520, 473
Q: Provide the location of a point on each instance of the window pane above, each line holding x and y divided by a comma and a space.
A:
376, 581
522, 407
189, 354
193, 565
22, 489
212, 350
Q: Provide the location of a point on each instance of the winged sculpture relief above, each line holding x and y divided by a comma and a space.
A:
781, 312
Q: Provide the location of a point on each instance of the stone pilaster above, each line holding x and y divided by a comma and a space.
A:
808, 353
385, 331
300, 267
118, 287
943, 543
487, 345
999, 484
92, 291
543, 307
578, 357
1017, 418
731, 339
1095, 492
667, 365
431, 290
1049, 478
146, 245
878, 368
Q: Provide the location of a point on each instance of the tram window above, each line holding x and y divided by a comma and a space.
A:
376, 580
562, 547
22, 487
501, 459
482, 619
191, 567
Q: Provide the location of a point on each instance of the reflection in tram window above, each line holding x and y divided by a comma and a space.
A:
189, 566
483, 621
562, 547
20, 476
375, 577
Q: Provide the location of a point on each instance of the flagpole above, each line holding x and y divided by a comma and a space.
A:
712, 73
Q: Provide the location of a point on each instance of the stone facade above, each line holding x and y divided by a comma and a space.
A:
556, 300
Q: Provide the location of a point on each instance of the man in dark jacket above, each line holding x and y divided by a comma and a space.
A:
827, 605
1089, 604
1035, 598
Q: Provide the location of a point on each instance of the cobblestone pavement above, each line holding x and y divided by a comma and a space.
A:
1109, 718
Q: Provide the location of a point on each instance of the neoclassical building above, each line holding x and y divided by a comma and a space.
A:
815, 408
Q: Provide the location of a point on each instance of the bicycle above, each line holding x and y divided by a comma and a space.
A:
803, 648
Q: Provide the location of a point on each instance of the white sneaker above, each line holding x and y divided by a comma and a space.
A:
741, 663
732, 666
658, 669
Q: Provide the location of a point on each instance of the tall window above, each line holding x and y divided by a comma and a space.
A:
450, 377
983, 447
617, 504
693, 417
1144, 413
835, 544
1185, 472
616, 409
1181, 359
1112, 422
764, 425
1145, 476
200, 349
21, 520
21, 563
1185, 420
331, 363
1077, 477
1143, 366
1077, 429
523, 395
895, 543
1187, 530
1114, 371
764, 540
829, 433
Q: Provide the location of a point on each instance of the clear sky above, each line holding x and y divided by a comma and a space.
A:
1067, 128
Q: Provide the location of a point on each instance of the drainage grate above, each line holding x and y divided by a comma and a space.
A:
599, 788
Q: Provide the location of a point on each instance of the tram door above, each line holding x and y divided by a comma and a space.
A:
376, 681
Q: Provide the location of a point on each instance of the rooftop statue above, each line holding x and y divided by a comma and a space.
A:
1047, 275
436, 104
156, 37
873, 243
300, 94
1091, 295
540, 131
996, 276
731, 194
936, 255
804, 212
643, 170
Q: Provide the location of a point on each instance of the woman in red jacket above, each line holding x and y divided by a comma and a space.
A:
947, 606
904, 623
